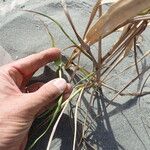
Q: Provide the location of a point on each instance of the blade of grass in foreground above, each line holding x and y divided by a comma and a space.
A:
75, 118
58, 109
50, 124
64, 106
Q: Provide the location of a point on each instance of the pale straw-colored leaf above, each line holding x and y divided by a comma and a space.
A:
94, 11
108, 1
76, 119
64, 106
117, 14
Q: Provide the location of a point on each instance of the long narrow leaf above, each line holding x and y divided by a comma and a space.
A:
75, 119
58, 24
64, 106
117, 14
83, 45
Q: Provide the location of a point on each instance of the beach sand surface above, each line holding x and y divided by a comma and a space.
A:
126, 124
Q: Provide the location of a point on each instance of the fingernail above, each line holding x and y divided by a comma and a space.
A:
60, 83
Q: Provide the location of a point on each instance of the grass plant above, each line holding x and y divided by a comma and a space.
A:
131, 17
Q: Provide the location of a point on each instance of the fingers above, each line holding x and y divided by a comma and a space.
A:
46, 94
34, 87
66, 95
28, 65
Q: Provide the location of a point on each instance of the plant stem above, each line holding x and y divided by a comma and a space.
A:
99, 50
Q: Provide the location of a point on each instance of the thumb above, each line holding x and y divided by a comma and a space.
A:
46, 94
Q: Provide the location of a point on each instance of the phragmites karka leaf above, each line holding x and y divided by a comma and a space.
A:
108, 1
117, 14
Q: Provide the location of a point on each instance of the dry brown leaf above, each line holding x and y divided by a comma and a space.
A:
117, 14
76, 52
93, 13
108, 1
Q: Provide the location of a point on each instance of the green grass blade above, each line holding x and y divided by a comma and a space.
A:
58, 24
52, 41
64, 105
50, 124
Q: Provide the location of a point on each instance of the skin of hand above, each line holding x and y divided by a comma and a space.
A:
19, 109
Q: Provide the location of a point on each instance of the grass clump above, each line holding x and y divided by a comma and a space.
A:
131, 17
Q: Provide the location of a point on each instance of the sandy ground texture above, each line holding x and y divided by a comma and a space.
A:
126, 124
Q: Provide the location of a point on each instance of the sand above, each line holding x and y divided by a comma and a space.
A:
126, 124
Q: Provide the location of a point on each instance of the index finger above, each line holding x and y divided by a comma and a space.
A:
28, 65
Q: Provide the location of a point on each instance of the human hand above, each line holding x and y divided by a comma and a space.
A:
18, 109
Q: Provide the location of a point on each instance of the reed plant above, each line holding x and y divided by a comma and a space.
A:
131, 18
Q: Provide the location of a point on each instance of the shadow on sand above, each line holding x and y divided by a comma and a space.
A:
101, 136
